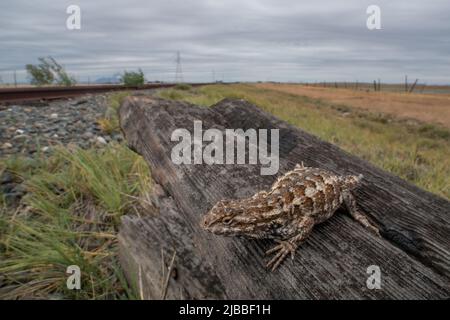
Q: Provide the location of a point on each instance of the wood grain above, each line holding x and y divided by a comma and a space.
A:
413, 254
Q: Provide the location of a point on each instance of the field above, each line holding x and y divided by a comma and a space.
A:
417, 151
68, 215
429, 108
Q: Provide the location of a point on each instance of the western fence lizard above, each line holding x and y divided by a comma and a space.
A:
288, 212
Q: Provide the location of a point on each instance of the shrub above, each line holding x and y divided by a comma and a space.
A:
48, 72
133, 78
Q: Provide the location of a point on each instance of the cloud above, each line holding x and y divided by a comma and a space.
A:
248, 40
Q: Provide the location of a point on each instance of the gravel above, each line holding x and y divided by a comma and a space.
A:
11, 188
25, 129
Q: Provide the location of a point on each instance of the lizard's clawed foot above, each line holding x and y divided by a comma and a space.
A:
366, 223
300, 165
282, 250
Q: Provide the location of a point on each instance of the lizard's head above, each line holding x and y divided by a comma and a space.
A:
351, 182
229, 218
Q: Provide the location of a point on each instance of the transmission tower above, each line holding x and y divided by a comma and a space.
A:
179, 71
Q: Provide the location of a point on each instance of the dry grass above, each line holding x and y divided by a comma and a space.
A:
419, 153
426, 108
109, 123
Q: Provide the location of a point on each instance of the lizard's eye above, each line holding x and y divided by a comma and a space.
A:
227, 220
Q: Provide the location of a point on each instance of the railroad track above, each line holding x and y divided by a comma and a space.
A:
16, 95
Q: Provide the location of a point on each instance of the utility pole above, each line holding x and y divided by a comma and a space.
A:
15, 78
413, 86
179, 71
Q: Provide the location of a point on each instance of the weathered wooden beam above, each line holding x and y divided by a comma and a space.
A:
413, 253
411, 218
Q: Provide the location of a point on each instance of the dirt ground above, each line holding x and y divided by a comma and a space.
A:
430, 108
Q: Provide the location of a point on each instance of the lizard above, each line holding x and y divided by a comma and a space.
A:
287, 213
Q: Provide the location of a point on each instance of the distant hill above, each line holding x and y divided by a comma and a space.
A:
114, 79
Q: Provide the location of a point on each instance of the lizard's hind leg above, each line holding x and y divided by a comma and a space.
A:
350, 204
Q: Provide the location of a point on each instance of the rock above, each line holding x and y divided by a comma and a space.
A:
21, 138
101, 140
54, 116
72, 146
81, 101
84, 144
117, 137
20, 131
12, 198
51, 128
6, 177
88, 135
7, 145
7, 187
20, 190
45, 149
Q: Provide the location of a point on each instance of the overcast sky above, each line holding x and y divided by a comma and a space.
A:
235, 40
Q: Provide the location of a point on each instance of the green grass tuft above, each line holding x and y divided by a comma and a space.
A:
70, 216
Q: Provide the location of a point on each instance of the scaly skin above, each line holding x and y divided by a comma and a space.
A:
287, 213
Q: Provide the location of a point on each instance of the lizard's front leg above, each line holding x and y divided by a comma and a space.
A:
285, 247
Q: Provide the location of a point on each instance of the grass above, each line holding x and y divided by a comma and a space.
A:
183, 86
203, 96
70, 216
416, 152
109, 123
